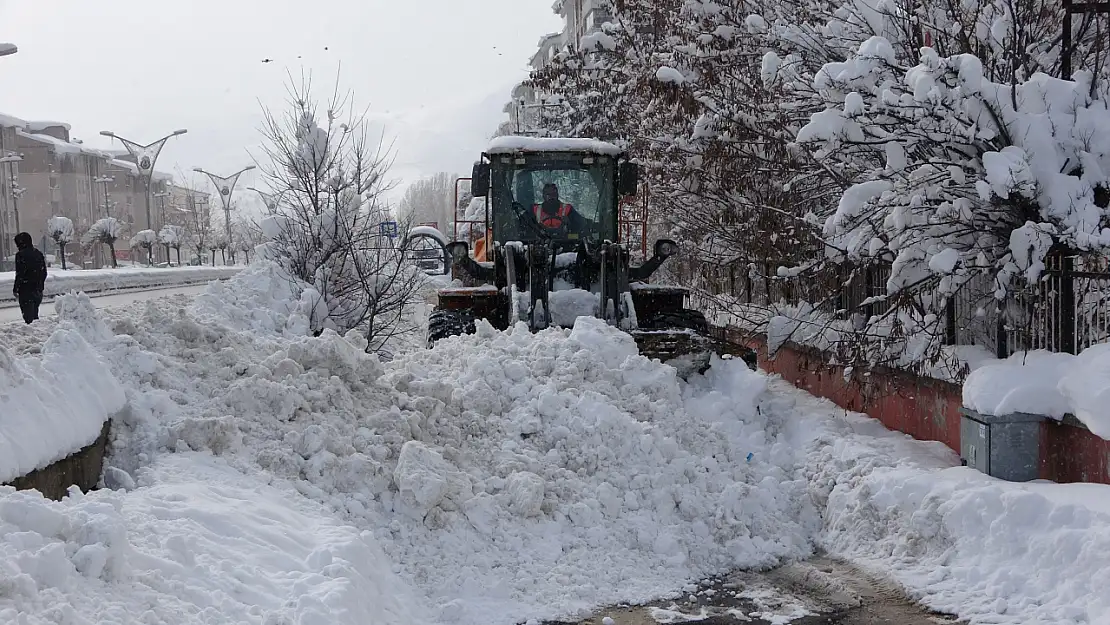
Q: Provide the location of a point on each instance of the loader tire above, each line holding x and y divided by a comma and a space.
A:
446, 323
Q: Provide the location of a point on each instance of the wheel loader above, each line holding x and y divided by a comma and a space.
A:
553, 252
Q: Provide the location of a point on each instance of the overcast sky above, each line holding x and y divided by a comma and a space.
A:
436, 72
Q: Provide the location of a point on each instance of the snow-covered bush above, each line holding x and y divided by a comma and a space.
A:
332, 179
106, 232
145, 240
173, 237
60, 229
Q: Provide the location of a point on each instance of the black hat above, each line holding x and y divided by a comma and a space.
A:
23, 239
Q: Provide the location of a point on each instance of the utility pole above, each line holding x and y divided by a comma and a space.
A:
145, 157
226, 186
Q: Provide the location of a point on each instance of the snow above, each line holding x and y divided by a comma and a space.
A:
40, 425
429, 231
60, 229
61, 146
670, 75
267, 476
944, 261
11, 122
41, 125
1048, 384
513, 144
598, 38
196, 542
124, 277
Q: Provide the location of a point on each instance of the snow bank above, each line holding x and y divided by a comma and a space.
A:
197, 542
94, 280
518, 476
1048, 384
961, 542
51, 407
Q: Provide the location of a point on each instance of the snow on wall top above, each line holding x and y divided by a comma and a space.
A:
39, 126
510, 144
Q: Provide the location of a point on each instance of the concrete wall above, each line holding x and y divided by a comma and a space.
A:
81, 469
927, 409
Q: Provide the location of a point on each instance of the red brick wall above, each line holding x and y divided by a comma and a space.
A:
928, 409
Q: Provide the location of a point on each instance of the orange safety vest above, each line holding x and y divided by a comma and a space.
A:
552, 221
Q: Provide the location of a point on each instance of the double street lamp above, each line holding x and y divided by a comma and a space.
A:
226, 186
145, 156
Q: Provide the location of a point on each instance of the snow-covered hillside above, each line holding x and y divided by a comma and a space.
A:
500, 478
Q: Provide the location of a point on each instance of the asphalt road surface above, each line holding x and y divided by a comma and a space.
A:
821, 591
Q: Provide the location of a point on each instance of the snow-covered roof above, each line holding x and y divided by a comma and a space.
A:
39, 126
513, 144
8, 120
60, 146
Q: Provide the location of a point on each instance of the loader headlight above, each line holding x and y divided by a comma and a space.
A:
665, 248
458, 250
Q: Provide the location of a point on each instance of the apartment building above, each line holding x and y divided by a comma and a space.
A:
580, 18
8, 126
56, 175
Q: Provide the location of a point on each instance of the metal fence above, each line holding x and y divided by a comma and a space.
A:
839, 290
1068, 310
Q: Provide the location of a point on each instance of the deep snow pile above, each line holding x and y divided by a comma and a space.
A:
199, 543
54, 404
961, 542
511, 476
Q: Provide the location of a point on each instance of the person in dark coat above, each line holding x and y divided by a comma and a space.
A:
30, 277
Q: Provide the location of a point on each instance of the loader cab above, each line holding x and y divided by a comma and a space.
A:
518, 174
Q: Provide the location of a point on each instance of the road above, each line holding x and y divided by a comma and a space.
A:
12, 314
821, 591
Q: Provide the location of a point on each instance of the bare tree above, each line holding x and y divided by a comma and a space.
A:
429, 200
332, 179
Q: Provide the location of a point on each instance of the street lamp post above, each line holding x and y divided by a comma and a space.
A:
162, 195
12, 160
145, 156
226, 186
269, 199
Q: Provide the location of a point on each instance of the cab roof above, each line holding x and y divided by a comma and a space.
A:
516, 145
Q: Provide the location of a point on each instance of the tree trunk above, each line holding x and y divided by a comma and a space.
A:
150, 256
178, 250
213, 258
223, 257
168, 254
112, 251
247, 256
62, 251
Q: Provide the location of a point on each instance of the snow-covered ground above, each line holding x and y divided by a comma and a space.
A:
125, 277
500, 478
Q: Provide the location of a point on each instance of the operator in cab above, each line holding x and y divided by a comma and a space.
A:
554, 214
